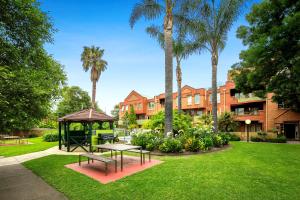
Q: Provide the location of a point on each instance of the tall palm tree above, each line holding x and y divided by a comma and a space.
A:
91, 58
210, 24
182, 48
153, 9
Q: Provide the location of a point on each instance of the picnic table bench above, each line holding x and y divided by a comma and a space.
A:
103, 159
143, 152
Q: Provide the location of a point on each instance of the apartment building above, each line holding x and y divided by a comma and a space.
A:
264, 114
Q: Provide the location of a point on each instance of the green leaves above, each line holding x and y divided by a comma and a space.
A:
271, 62
73, 99
149, 9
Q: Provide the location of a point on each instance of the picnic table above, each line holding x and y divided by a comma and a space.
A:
121, 148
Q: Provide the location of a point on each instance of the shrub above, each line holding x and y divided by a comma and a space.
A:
180, 122
50, 137
171, 145
32, 135
149, 141
225, 138
233, 137
217, 140
262, 135
192, 144
256, 139
208, 142
279, 139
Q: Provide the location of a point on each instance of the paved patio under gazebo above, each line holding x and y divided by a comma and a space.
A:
81, 138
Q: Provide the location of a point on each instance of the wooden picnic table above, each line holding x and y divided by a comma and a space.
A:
121, 148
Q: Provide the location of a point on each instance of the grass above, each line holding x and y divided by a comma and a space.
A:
37, 145
245, 171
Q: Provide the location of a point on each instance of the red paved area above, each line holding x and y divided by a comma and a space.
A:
96, 170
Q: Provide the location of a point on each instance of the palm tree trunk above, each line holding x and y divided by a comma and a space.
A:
94, 94
214, 60
179, 79
168, 26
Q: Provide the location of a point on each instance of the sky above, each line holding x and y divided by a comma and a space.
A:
135, 61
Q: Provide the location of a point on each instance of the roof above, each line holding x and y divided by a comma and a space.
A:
89, 115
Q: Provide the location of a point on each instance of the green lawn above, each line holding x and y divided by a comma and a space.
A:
38, 145
245, 171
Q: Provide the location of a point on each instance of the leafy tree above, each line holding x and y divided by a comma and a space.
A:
181, 121
73, 99
209, 24
132, 118
91, 58
115, 112
153, 9
30, 79
271, 63
182, 48
227, 122
125, 119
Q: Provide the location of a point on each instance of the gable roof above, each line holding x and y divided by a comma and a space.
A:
133, 92
88, 115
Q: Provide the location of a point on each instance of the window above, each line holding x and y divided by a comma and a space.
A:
197, 99
176, 101
126, 107
189, 100
151, 105
139, 106
123, 108
239, 111
199, 112
218, 98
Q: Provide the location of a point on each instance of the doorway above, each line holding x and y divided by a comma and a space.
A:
290, 130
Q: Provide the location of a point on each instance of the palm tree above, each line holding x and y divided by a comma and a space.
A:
210, 24
152, 9
91, 58
182, 48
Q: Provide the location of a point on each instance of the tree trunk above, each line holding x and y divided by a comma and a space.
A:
214, 60
168, 26
179, 79
94, 95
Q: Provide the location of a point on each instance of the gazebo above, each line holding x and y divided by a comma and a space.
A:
81, 138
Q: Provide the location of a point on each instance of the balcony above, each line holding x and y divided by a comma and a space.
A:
253, 116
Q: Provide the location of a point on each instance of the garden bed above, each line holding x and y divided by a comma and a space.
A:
187, 153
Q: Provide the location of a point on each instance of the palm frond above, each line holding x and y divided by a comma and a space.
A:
157, 33
149, 9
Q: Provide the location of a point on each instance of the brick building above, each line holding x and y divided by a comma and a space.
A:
264, 114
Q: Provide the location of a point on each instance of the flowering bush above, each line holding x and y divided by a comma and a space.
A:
171, 145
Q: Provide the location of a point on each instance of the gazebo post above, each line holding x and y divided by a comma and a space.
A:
59, 135
68, 136
65, 132
90, 135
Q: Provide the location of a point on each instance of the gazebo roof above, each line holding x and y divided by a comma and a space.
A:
87, 115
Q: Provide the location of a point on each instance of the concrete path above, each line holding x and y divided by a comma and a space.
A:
19, 183
30, 156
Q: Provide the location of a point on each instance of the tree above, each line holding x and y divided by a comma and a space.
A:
125, 119
209, 25
271, 63
152, 9
73, 99
132, 118
30, 79
227, 122
115, 112
182, 48
91, 58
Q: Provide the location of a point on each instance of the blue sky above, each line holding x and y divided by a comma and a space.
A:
135, 61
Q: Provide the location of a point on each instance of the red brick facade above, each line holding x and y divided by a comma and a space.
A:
264, 114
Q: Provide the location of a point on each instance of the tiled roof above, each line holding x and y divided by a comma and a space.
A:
87, 115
